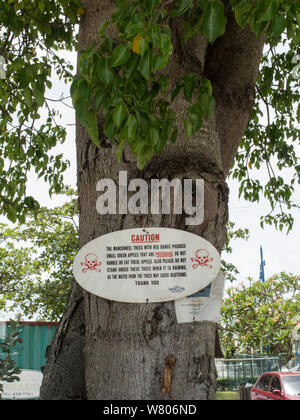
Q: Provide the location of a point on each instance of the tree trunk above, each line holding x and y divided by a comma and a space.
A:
138, 351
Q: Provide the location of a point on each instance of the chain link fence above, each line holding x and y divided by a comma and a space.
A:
244, 370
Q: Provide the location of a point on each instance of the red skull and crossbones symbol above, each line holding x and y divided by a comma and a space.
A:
91, 263
202, 258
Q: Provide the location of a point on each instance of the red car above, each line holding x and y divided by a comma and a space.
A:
277, 386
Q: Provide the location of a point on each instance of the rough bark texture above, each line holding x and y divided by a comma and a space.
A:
64, 371
136, 351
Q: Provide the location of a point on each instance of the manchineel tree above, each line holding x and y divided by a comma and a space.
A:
164, 89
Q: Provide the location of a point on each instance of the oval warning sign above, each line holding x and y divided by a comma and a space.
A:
146, 265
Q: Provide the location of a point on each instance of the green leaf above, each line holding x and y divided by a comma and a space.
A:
210, 107
160, 62
12, 214
188, 129
154, 136
131, 126
164, 83
181, 7
189, 86
41, 5
28, 97
30, 202
92, 126
165, 44
146, 65
102, 28
121, 55
144, 156
119, 151
99, 98
132, 65
38, 95
143, 45
83, 89
278, 26
109, 128
105, 73
195, 116
154, 35
214, 20
175, 92
257, 27
269, 11
74, 89
119, 115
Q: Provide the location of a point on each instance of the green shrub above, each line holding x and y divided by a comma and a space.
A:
8, 368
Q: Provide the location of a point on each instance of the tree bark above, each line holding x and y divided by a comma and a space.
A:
138, 351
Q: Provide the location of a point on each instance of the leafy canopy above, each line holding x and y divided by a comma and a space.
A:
261, 315
122, 77
36, 261
32, 32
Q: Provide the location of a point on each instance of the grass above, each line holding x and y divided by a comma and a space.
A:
227, 395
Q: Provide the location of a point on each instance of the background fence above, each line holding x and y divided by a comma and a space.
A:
246, 369
37, 336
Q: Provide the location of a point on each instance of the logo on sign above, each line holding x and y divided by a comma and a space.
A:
176, 289
91, 263
202, 258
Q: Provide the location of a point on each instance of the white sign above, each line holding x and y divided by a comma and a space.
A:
204, 305
27, 388
146, 265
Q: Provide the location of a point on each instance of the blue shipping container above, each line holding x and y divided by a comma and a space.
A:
36, 337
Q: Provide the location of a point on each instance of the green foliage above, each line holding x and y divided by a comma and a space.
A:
272, 143
31, 34
214, 21
123, 79
36, 262
8, 368
260, 315
232, 234
272, 138
270, 16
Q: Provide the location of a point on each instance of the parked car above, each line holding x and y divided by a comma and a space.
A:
277, 386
